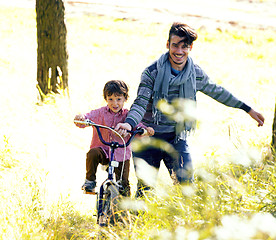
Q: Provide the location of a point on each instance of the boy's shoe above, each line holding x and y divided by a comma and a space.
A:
89, 186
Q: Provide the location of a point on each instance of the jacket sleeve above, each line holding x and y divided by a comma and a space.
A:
140, 104
217, 92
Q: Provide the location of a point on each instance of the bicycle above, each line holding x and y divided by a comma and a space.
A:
110, 190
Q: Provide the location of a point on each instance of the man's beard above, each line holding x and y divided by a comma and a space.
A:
177, 63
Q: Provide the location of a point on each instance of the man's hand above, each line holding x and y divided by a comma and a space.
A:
257, 116
122, 128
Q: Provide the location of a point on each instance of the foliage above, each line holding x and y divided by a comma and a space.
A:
219, 201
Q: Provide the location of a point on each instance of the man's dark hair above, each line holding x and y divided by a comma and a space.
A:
116, 87
183, 30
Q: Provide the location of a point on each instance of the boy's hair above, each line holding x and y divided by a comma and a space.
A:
116, 87
183, 30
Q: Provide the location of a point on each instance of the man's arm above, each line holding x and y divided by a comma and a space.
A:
139, 106
223, 96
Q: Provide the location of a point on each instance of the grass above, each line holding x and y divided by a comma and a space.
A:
42, 154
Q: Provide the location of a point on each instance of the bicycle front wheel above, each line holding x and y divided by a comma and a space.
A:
109, 206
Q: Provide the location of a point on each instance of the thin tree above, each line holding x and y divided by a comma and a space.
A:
274, 133
52, 57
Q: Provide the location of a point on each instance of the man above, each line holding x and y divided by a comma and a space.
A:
174, 76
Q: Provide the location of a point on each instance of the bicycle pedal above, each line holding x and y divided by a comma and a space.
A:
89, 192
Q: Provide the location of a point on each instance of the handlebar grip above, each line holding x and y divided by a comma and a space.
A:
140, 131
85, 122
145, 132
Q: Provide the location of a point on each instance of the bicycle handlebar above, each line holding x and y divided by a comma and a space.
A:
88, 122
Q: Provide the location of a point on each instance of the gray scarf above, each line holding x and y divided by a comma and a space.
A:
186, 80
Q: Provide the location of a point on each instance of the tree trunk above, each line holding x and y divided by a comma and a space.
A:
52, 69
274, 132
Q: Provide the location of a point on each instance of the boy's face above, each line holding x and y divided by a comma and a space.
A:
115, 102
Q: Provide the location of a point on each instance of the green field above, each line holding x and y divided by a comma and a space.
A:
42, 153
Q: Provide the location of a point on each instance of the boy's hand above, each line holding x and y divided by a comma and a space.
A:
79, 117
150, 131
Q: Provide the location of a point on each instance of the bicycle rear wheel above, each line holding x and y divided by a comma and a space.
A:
109, 206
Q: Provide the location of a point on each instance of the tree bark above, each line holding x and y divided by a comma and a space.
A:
52, 57
273, 144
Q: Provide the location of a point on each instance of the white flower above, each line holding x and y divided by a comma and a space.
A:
265, 223
234, 228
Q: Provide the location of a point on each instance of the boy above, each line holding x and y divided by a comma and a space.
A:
115, 93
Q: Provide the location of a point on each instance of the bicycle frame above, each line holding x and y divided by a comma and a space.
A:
112, 163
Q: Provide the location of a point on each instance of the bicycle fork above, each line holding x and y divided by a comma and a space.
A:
106, 183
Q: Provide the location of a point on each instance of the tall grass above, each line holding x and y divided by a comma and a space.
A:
42, 154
